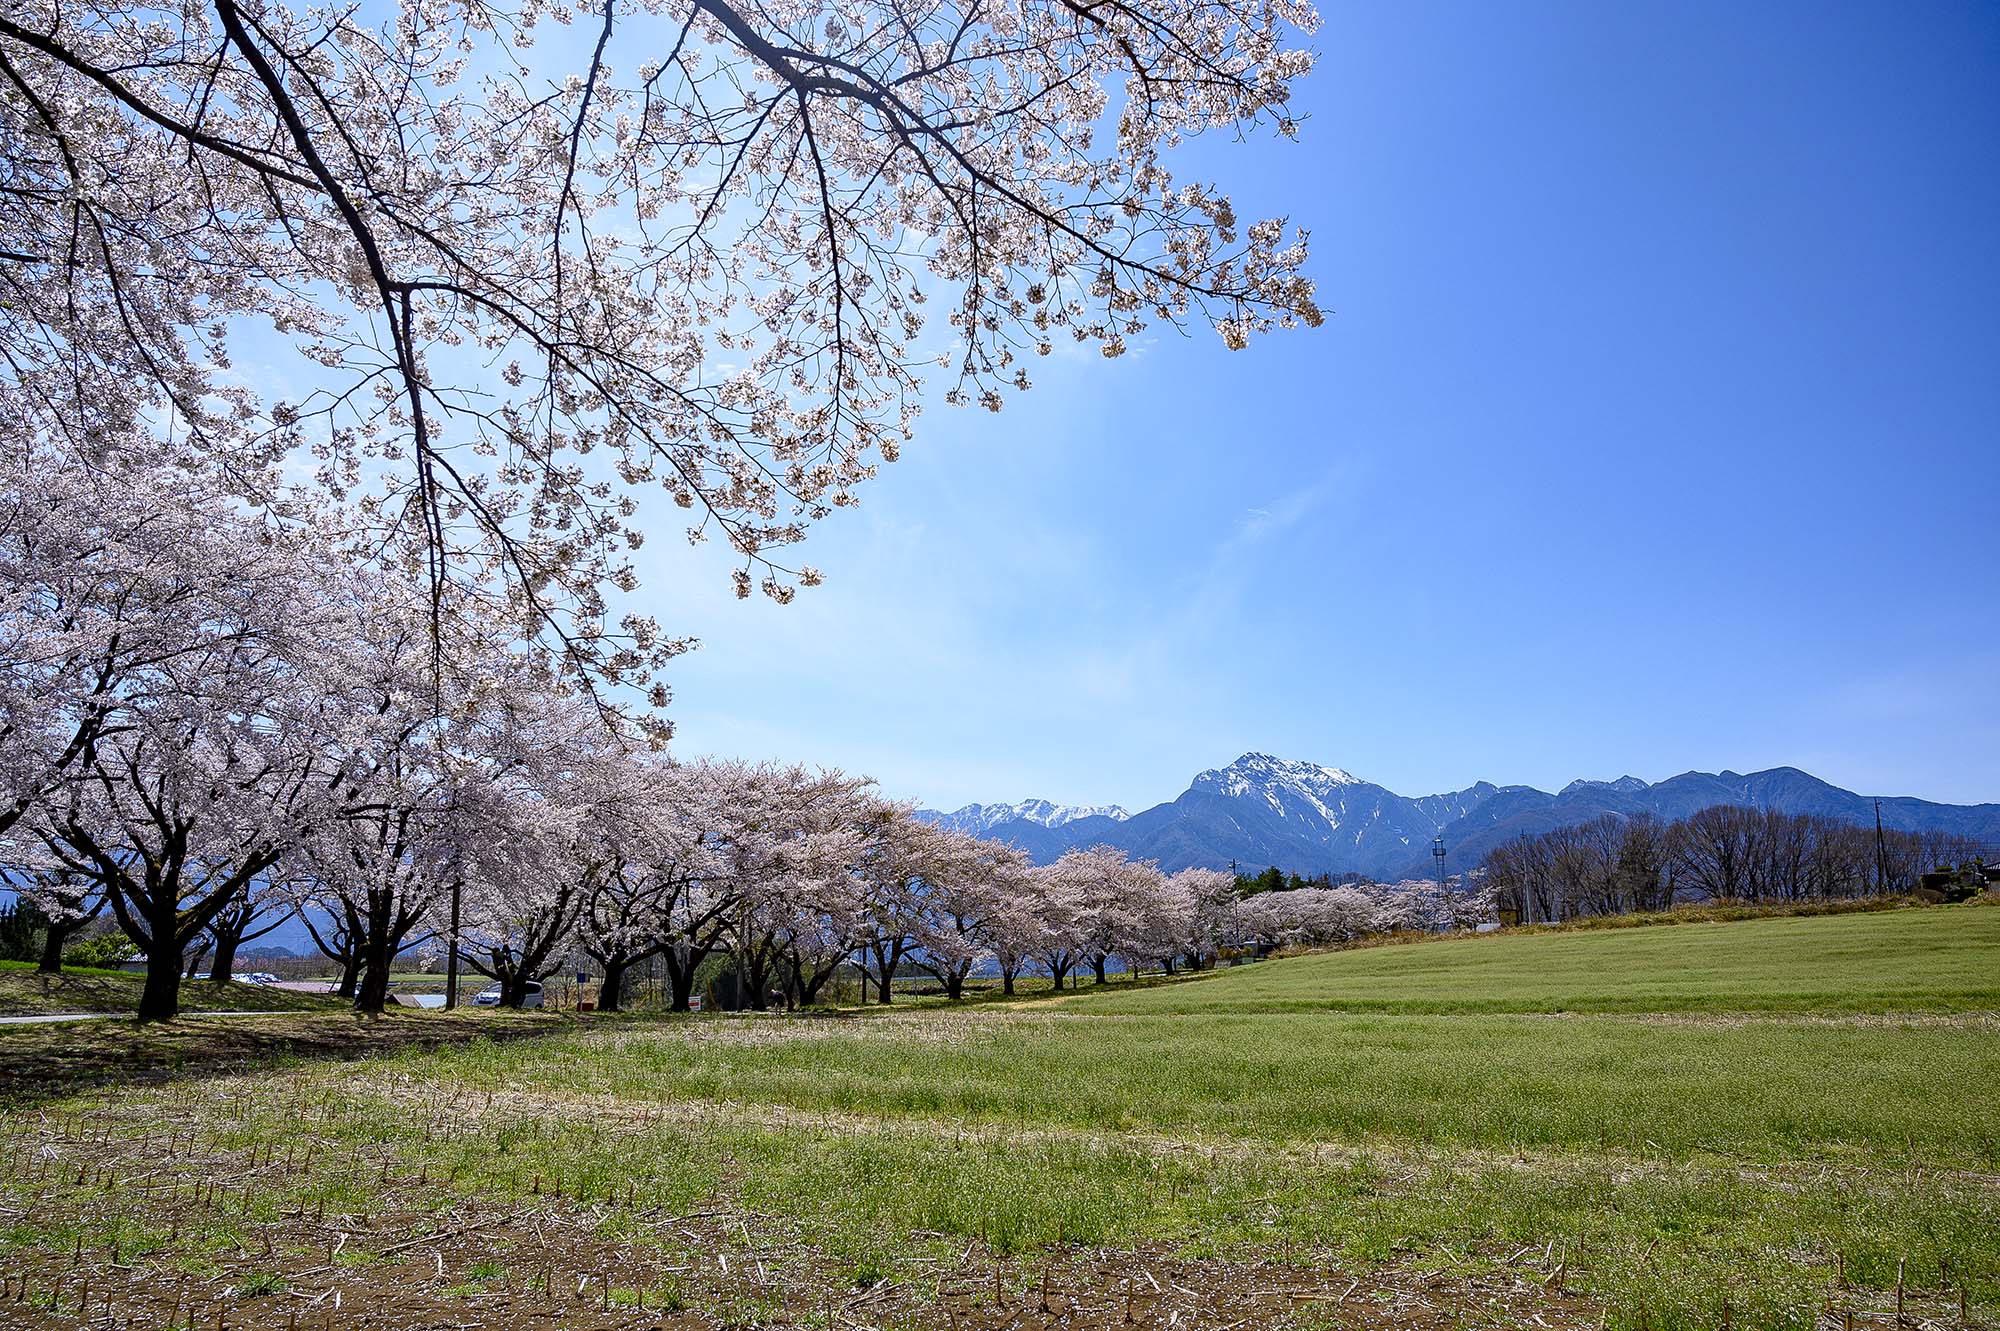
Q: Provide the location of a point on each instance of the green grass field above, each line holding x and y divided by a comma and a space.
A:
1889, 961
1663, 1127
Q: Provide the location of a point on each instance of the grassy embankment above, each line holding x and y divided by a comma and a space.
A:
1677, 1126
24, 991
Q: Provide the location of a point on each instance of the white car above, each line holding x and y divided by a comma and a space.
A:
491, 997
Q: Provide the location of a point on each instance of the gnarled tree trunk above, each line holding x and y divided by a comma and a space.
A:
611, 994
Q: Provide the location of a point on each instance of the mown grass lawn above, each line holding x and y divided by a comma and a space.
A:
1797, 1111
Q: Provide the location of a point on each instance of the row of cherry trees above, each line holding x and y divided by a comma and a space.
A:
210, 712
337, 626
214, 718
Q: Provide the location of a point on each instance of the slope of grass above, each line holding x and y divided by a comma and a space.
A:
25, 992
1941, 958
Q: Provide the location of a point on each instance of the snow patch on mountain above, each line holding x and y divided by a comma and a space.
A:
1624, 785
982, 818
1320, 789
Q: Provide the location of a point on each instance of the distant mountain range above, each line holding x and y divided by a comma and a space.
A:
1310, 819
980, 819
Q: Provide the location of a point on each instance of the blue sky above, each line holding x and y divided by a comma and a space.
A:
1656, 426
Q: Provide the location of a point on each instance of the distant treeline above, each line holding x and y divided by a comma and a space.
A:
1613, 865
1275, 879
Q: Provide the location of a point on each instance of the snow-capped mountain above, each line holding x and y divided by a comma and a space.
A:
1308, 818
1266, 810
1625, 785
983, 818
1268, 776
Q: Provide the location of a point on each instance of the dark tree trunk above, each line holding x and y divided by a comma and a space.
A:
809, 986
752, 968
350, 975
225, 958
611, 994
376, 955
52, 947
883, 975
371, 987
680, 975
1007, 982
886, 964
1097, 964
161, 998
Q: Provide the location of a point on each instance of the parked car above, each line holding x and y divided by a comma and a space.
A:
490, 997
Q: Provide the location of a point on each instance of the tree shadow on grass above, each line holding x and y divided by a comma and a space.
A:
25, 991
49, 1061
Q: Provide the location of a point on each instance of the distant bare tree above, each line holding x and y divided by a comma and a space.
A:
1612, 865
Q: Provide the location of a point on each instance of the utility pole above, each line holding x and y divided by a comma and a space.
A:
1437, 853
451, 958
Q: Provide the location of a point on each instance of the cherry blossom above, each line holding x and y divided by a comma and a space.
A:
720, 261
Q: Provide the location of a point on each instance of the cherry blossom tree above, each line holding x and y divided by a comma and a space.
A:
560, 803
253, 913
622, 925
1114, 905
1058, 940
1203, 906
422, 757
110, 576
905, 854
159, 697
645, 905
785, 838
186, 809
813, 911
964, 890
333, 924
1013, 927
706, 254
68, 900
1310, 916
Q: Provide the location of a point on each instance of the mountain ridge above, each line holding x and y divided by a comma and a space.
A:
1309, 818
979, 818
